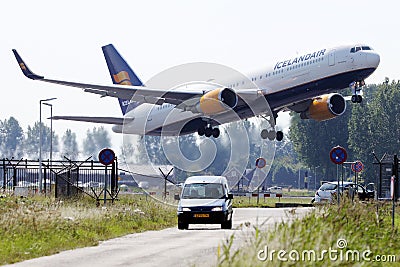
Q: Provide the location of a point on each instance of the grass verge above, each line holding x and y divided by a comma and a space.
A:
34, 227
352, 234
247, 202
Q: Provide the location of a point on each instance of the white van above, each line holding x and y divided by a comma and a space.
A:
205, 199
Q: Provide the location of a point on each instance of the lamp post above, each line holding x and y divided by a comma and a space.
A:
40, 140
315, 177
51, 130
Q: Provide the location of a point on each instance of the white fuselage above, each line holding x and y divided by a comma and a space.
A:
289, 81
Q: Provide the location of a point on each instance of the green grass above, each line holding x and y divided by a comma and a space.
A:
298, 192
246, 202
360, 224
34, 227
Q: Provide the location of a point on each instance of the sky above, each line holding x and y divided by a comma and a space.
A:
63, 39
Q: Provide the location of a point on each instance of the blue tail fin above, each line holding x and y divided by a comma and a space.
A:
121, 73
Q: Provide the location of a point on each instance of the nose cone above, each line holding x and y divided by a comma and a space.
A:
373, 59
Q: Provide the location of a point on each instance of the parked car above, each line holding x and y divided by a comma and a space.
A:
327, 190
205, 199
275, 189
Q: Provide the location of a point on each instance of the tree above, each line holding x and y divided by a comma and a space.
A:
11, 138
70, 146
31, 144
95, 141
284, 170
313, 140
375, 126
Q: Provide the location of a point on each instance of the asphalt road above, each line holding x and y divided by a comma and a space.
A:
170, 247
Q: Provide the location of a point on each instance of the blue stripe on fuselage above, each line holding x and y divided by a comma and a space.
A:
316, 88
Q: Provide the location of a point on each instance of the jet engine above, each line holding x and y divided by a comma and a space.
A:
325, 107
216, 101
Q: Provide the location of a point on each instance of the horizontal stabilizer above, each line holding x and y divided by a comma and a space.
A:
103, 120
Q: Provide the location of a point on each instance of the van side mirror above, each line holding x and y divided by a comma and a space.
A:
230, 196
177, 197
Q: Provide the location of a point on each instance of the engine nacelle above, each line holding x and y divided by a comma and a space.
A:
217, 100
325, 107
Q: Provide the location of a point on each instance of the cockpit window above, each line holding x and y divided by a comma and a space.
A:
355, 49
358, 48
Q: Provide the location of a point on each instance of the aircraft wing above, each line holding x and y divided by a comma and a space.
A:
103, 120
135, 93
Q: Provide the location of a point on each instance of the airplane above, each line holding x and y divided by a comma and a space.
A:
306, 83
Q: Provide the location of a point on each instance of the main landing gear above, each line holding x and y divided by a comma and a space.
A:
356, 91
271, 134
208, 131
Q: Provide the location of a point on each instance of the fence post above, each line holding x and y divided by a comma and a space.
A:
395, 172
105, 186
14, 177
113, 180
4, 174
45, 180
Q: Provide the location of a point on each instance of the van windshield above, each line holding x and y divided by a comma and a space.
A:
203, 191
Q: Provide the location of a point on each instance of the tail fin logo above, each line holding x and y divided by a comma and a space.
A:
122, 77
22, 65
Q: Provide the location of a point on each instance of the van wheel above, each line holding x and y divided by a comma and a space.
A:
183, 226
227, 224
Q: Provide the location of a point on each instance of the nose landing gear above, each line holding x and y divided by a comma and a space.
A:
356, 88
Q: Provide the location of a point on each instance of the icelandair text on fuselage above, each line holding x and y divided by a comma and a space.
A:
289, 62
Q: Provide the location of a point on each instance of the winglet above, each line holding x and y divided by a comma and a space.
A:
25, 70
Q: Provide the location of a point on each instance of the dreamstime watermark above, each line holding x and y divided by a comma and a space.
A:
340, 253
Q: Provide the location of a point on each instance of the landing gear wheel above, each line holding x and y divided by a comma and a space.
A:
215, 132
264, 134
279, 136
271, 135
201, 131
356, 98
208, 132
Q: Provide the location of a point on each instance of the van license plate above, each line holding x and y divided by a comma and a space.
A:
201, 215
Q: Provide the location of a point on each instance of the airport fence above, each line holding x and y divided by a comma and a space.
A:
59, 178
